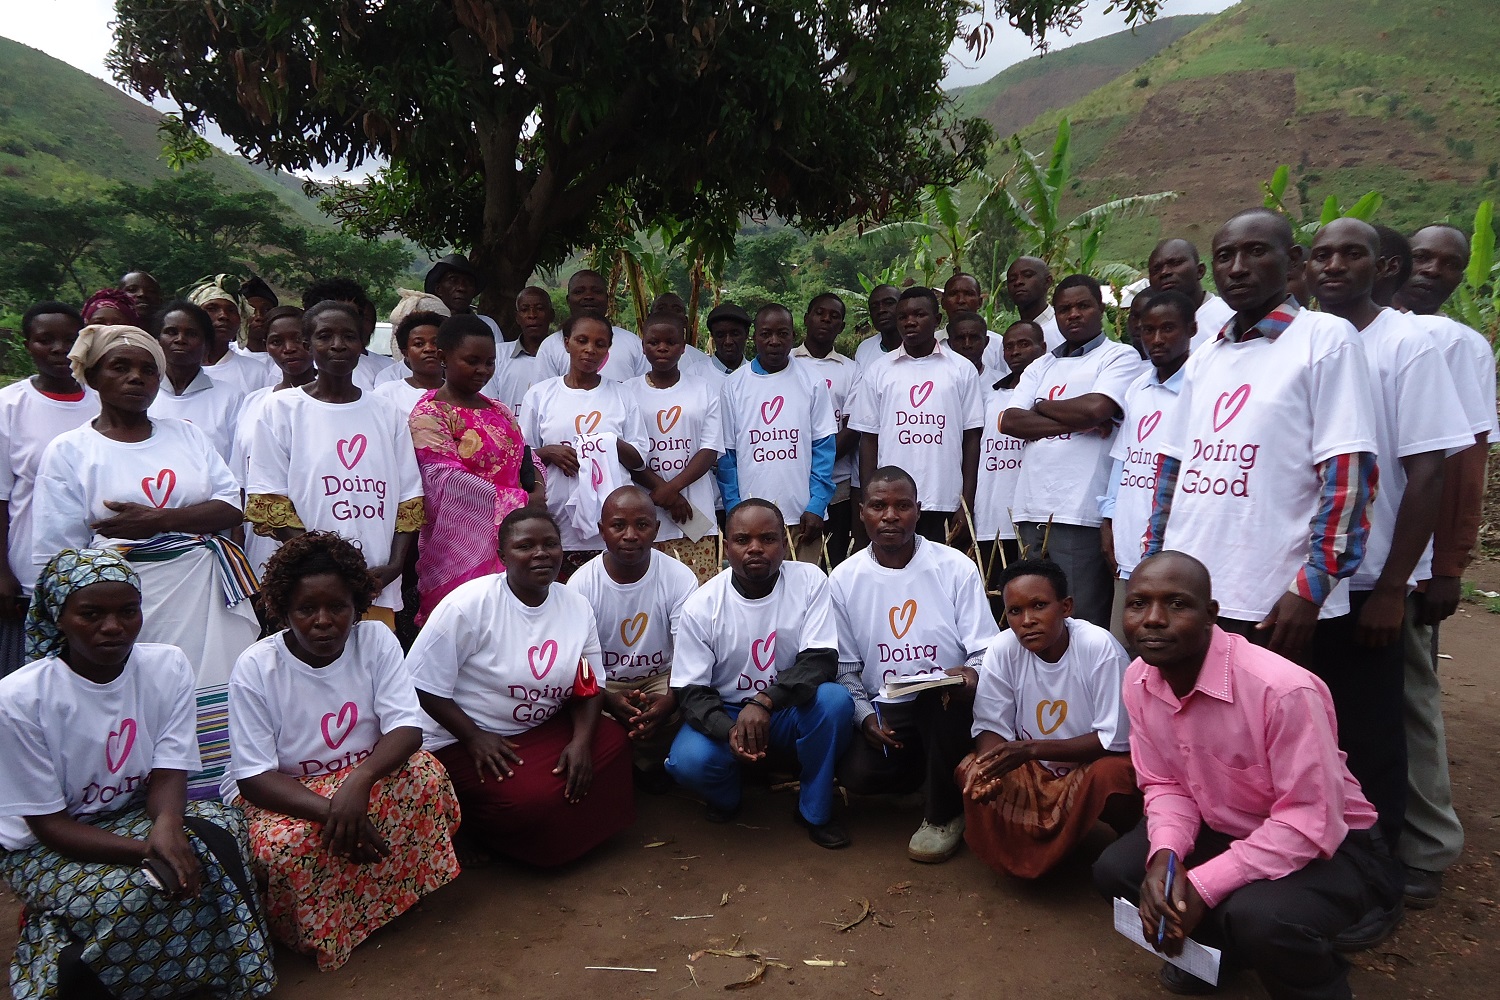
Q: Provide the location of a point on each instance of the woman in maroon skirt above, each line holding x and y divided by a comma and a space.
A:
507, 668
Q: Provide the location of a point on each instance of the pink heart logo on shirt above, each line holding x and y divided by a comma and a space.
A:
763, 652
919, 393
771, 409
536, 654
667, 419
117, 748
342, 725
1057, 390
596, 477
159, 491
1147, 425
352, 450
1229, 405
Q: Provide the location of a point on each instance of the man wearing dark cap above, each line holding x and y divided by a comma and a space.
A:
454, 280
261, 299
729, 329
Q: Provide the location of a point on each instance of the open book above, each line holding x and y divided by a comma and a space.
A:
903, 686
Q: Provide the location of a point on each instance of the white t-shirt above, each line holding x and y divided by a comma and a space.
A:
552, 413
212, 407
1023, 697
920, 408
623, 363
508, 666
931, 614
401, 394
28, 423
243, 373
514, 375
288, 716
869, 351
1062, 477
258, 548
680, 421
70, 744
1149, 406
738, 646
636, 620
770, 423
1417, 410
995, 367
368, 368
1471, 362
999, 470
345, 467
1212, 314
1051, 333
1254, 420
841, 375
81, 469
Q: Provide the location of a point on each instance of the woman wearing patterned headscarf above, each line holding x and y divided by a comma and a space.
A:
127, 887
154, 489
219, 297
110, 307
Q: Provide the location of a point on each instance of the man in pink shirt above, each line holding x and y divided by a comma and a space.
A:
1275, 847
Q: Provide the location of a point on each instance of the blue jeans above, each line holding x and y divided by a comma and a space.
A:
818, 731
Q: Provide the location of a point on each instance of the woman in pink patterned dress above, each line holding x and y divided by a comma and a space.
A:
475, 466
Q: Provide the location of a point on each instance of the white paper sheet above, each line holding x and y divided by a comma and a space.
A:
1200, 960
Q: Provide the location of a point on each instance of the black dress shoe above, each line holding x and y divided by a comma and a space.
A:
1423, 888
831, 835
1373, 928
717, 815
1184, 984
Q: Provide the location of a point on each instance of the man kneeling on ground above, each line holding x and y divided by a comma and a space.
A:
1049, 758
757, 653
1247, 796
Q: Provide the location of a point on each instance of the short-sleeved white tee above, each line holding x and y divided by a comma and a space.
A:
1023, 697
508, 666
368, 369
258, 548
400, 393
81, 469
345, 466
70, 744
552, 413
931, 614
869, 351
212, 407
1149, 409
1213, 313
1471, 363
770, 423
1417, 410
841, 375
920, 408
738, 646
1253, 422
29, 421
243, 373
288, 716
680, 421
636, 620
999, 470
624, 362
1062, 477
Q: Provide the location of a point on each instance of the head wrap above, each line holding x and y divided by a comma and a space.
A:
415, 301
69, 571
115, 299
95, 341
222, 286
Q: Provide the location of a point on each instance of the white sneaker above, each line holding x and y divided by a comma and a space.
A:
932, 844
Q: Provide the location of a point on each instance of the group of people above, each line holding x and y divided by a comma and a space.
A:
282, 618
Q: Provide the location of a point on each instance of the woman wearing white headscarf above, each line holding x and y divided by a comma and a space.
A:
218, 296
155, 490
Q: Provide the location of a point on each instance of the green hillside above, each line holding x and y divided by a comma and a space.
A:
1014, 97
65, 134
1398, 96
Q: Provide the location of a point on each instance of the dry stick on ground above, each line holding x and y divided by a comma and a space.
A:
864, 913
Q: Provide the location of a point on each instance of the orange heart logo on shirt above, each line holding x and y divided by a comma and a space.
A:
591, 418
902, 617
1058, 708
919, 394
1147, 425
160, 491
1229, 405
1057, 390
636, 625
667, 419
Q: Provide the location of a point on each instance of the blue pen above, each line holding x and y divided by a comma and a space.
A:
1161, 925
884, 748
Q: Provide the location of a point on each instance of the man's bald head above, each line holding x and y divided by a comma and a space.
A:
1348, 230
627, 500
1169, 616
1186, 573
1272, 224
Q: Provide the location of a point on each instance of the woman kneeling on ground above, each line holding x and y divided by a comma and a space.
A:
129, 889
508, 669
350, 821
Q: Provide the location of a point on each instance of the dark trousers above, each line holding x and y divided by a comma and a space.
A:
995, 563
934, 739
933, 525
1076, 550
1368, 689
836, 528
1282, 929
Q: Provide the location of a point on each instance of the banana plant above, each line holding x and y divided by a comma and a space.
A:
1305, 227
1476, 302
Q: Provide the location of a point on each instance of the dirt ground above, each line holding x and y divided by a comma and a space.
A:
955, 930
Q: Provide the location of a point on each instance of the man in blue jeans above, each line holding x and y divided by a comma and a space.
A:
754, 669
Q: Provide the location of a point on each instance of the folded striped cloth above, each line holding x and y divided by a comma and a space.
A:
236, 575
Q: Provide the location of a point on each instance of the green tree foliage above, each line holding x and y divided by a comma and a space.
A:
513, 129
45, 246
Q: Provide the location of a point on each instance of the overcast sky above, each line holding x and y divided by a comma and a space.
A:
77, 32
